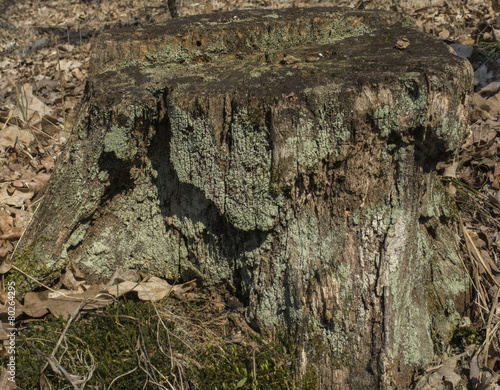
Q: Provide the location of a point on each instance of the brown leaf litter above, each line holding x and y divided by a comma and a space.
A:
67, 302
44, 57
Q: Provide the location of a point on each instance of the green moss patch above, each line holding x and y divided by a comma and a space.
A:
29, 263
197, 344
467, 335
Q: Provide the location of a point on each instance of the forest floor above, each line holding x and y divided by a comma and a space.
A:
44, 60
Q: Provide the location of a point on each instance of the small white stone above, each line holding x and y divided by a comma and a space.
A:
462, 50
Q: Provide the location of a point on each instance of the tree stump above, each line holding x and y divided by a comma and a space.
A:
286, 155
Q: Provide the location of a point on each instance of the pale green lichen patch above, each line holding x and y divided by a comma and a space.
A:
137, 236
410, 22
424, 329
236, 178
307, 231
407, 110
170, 53
75, 239
309, 247
451, 132
418, 332
116, 140
334, 339
412, 336
342, 28
437, 201
319, 137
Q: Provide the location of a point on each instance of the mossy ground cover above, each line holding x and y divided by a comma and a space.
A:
192, 344
27, 263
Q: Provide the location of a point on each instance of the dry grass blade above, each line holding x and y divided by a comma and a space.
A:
8, 119
145, 363
476, 279
476, 254
77, 381
490, 333
32, 278
479, 200
121, 376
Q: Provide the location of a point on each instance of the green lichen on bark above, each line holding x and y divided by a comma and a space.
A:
413, 337
406, 111
323, 134
434, 264
235, 177
33, 268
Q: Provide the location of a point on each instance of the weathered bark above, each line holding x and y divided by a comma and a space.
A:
288, 155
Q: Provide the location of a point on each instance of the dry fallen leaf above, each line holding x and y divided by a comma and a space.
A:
5, 382
489, 261
28, 104
6, 266
50, 125
12, 134
69, 281
14, 234
34, 306
65, 303
450, 378
48, 163
288, 59
491, 88
6, 220
474, 371
6, 305
121, 276
312, 59
402, 43
152, 290
66, 65
14, 197
449, 168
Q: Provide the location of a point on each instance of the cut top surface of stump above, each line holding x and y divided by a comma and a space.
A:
261, 37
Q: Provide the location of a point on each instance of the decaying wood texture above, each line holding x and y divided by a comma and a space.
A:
288, 156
